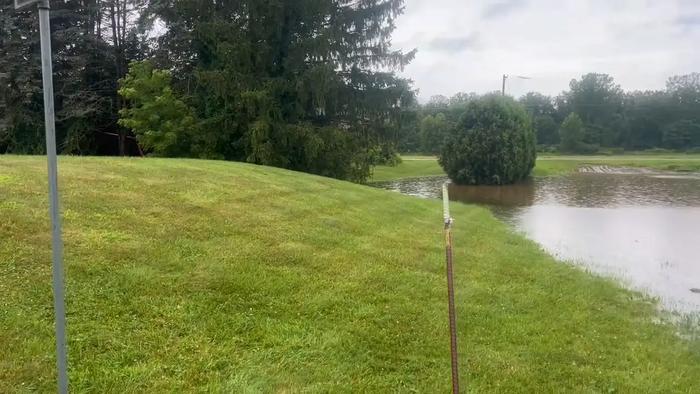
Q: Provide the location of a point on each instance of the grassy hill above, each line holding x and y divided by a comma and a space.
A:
188, 275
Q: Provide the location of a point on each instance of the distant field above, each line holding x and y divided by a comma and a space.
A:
207, 276
410, 167
554, 165
419, 166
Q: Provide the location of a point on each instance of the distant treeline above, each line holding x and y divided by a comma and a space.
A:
610, 117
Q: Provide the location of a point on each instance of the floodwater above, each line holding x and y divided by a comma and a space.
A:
641, 227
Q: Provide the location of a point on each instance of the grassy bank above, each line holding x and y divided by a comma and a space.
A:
228, 277
547, 165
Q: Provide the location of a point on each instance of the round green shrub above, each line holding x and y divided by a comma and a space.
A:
492, 144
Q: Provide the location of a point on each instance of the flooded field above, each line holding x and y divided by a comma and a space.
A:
641, 227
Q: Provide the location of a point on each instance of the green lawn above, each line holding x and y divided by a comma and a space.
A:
410, 167
555, 165
186, 275
420, 166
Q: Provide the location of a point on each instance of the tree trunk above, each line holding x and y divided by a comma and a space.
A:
122, 143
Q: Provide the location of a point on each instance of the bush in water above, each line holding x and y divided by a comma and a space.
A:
493, 143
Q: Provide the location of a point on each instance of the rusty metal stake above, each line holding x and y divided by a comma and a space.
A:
450, 289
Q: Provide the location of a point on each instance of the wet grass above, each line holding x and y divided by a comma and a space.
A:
557, 165
187, 275
548, 165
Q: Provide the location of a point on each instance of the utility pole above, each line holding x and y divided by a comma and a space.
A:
54, 212
503, 86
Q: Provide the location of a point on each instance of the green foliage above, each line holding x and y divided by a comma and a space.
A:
547, 148
327, 151
597, 100
443, 113
684, 131
636, 120
409, 131
611, 118
84, 83
681, 135
264, 75
541, 109
273, 80
163, 124
571, 134
647, 113
433, 132
385, 155
270, 81
546, 130
684, 92
87, 62
493, 143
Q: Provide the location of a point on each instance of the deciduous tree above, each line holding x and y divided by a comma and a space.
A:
163, 124
571, 134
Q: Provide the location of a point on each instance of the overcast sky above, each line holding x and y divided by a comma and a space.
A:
466, 45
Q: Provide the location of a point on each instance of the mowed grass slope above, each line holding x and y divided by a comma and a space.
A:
187, 275
547, 165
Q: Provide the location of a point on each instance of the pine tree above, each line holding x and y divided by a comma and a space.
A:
85, 77
302, 84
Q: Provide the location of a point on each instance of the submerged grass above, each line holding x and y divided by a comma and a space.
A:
187, 275
420, 166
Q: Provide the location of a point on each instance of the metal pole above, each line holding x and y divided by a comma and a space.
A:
56, 242
450, 290
503, 87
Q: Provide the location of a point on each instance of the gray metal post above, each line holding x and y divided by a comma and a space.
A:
56, 242
454, 356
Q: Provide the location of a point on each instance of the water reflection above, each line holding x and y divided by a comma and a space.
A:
521, 194
638, 226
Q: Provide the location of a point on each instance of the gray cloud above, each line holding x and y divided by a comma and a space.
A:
689, 20
455, 44
502, 8
639, 43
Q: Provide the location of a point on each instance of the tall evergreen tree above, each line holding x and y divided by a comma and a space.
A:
302, 84
21, 113
84, 78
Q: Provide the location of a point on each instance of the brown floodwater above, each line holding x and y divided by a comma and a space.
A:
639, 226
